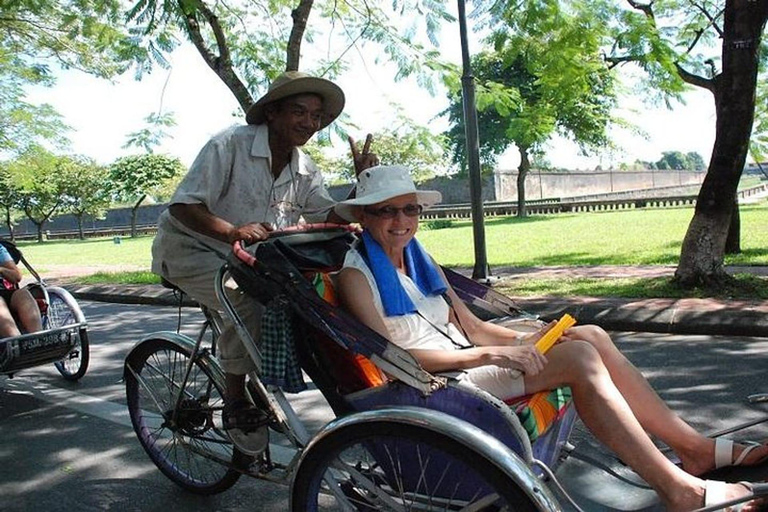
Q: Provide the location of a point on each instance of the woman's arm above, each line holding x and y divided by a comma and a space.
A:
356, 296
10, 272
485, 333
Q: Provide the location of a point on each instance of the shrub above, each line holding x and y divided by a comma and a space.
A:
438, 224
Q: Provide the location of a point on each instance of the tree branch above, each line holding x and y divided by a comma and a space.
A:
646, 9
698, 81
712, 19
615, 61
221, 64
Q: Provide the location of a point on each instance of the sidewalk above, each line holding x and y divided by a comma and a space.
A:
676, 316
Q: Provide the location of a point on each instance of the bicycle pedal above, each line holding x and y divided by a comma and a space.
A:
250, 443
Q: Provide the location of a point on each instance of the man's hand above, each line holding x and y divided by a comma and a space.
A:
365, 159
250, 233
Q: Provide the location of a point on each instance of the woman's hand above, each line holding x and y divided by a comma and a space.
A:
532, 338
527, 358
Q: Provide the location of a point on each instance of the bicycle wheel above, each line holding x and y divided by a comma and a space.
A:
394, 466
62, 311
188, 444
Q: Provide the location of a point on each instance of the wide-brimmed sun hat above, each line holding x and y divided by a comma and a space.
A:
384, 182
296, 82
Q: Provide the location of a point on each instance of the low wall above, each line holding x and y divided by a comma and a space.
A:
578, 186
540, 185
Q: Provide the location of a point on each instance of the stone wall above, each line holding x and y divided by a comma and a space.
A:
117, 217
454, 190
545, 185
502, 186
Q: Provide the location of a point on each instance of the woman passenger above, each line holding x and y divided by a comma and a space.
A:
392, 285
15, 303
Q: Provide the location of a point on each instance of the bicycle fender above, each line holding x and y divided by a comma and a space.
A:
187, 346
474, 438
72, 303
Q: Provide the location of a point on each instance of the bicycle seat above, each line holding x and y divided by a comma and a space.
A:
167, 284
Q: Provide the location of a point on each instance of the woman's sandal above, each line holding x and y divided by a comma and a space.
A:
724, 452
715, 492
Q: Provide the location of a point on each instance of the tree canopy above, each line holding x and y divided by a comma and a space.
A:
35, 37
137, 176
544, 75
677, 161
248, 46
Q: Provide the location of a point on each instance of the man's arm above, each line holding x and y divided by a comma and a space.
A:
198, 218
364, 159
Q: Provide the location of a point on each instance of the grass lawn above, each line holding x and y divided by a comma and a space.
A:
627, 237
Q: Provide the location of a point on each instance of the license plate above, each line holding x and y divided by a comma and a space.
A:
45, 342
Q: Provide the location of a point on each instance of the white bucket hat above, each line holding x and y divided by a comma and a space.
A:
384, 182
291, 83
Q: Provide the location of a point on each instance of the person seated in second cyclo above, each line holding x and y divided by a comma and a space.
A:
245, 182
16, 303
392, 285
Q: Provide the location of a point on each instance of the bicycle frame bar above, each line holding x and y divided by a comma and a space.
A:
250, 345
280, 406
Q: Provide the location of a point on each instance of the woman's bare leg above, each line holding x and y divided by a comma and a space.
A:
697, 452
27, 310
7, 323
604, 411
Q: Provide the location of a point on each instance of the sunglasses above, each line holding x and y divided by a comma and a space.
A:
390, 212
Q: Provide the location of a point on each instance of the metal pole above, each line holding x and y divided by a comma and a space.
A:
481, 271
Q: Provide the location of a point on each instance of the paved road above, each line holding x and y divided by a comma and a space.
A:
70, 446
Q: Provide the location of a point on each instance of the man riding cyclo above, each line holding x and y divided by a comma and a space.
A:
245, 182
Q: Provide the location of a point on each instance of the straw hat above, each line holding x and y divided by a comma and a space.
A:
296, 82
383, 182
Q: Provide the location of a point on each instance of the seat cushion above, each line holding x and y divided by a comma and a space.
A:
353, 372
540, 410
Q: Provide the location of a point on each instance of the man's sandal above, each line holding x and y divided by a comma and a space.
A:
246, 426
724, 452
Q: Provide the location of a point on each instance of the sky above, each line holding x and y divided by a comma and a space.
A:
103, 113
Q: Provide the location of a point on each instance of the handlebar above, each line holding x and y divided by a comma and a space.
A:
246, 257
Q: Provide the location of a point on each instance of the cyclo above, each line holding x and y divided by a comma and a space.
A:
403, 439
64, 338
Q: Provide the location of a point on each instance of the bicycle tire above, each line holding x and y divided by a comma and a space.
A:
61, 312
185, 452
382, 455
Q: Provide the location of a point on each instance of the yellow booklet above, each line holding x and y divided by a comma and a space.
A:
552, 335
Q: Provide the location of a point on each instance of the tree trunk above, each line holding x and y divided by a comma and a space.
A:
80, 232
733, 240
134, 214
703, 249
9, 223
522, 173
300, 16
39, 226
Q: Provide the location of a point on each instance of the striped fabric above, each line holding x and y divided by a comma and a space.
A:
538, 411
